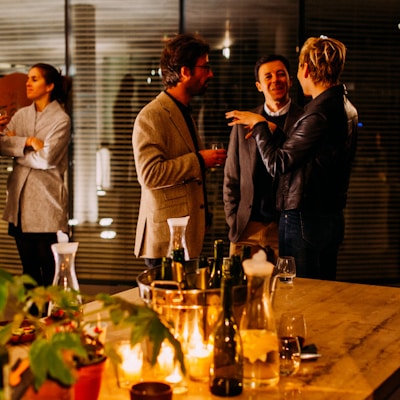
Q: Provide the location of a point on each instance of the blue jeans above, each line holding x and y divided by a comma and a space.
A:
313, 239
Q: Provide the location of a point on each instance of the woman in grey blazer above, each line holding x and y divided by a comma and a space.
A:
37, 136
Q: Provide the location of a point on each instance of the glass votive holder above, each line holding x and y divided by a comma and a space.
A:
129, 370
198, 357
166, 368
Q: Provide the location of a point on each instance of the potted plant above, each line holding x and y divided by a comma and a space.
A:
62, 344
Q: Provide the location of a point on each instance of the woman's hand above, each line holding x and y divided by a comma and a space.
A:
246, 118
249, 120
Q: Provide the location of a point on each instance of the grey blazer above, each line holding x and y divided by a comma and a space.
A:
35, 187
238, 187
170, 176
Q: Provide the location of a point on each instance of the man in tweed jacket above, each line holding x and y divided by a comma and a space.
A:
169, 156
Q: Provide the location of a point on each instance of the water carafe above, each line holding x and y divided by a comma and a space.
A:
257, 326
65, 276
177, 228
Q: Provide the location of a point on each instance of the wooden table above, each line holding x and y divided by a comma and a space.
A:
356, 329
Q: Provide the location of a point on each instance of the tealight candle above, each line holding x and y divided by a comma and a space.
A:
168, 370
130, 370
165, 359
199, 360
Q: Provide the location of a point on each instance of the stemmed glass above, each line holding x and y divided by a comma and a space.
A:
293, 325
286, 269
292, 334
217, 146
289, 352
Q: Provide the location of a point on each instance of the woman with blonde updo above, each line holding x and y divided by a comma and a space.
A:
313, 164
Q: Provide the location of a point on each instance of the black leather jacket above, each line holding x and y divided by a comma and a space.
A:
314, 163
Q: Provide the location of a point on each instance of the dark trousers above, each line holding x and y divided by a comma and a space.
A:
36, 256
313, 239
152, 262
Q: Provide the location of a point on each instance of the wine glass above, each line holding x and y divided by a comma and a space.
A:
293, 325
292, 335
217, 146
289, 352
286, 269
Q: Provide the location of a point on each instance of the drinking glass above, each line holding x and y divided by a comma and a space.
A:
286, 269
292, 335
217, 146
293, 325
289, 352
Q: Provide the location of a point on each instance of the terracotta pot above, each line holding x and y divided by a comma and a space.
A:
50, 390
88, 384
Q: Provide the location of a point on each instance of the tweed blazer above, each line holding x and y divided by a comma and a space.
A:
240, 166
171, 179
35, 187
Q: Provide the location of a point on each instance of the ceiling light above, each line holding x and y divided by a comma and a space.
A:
108, 234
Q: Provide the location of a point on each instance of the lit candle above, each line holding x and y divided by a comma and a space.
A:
199, 360
198, 351
176, 376
131, 366
165, 359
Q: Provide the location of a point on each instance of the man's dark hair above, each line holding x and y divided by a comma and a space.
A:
268, 58
182, 50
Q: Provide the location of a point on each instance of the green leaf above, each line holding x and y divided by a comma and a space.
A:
38, 356
3, 296
5, 334
5, 280
53, 358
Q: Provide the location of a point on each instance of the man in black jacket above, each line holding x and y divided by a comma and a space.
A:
314, 162
249, 190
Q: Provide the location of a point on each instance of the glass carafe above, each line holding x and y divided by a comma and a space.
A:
177, 228
257, 326
65, 276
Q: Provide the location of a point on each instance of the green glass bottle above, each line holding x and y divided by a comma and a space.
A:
246, 254
236, 270
216, 271
166, 269
178, 267
226, 370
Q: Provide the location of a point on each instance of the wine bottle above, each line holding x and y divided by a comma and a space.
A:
236, 270
178, 266
166, 269
246, 254
226, 370
216, 271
